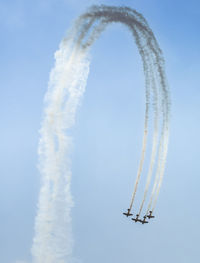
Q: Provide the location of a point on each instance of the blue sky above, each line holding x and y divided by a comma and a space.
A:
107, 136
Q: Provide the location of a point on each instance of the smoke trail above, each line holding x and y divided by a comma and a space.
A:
155, 138
165, 133
165, 109
160, 172
147, 33
53, 238
159, 69
163, 147
53, 241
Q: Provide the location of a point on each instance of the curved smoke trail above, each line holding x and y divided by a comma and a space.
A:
53, 240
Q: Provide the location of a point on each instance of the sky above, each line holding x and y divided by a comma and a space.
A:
107, 134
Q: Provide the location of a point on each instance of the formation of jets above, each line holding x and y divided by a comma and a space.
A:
137, 219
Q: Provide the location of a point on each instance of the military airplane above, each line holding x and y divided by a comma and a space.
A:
136, 219
128, 213
150, 215
144, 220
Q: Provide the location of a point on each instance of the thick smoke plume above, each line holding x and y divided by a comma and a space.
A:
53, 241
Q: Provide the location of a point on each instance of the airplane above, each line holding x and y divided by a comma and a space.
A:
150, 215
144, 221
136, 219
128, 213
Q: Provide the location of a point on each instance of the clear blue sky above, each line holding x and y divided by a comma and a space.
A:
108, 133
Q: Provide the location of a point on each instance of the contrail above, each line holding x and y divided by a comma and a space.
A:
53, 240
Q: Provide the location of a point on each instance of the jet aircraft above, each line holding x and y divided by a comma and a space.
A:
136, 219
144, 221
128, 213
150, 215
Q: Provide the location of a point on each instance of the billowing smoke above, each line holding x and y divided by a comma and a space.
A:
53, 241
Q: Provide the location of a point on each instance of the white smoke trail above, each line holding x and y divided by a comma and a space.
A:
141, 32
53, 239
157, 61
161, 172
155, 137
163, 147
141, 48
